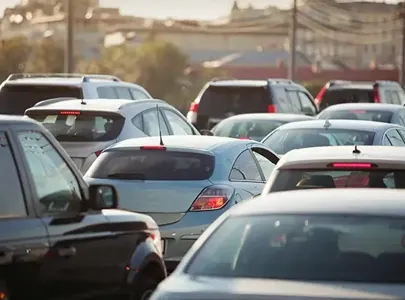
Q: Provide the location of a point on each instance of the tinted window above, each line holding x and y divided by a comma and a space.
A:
137, 94
123, 93
303, 179
281, 101
358, 114
282, 141
245, 168
395, 138
336, 96
12, 202
15, 99
84, 127
221, 102
148, 122
295, 101
178, 125
308, 106
56, 186
252, 129
305, 247
153, 165
107, 92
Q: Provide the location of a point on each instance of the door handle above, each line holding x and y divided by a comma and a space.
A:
6, 257
67, 251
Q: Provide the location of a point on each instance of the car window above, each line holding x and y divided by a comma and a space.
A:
56, 186
357, 114
337, 95
281, 101
388, 98
150, 123
295, 101
395, 97
308, 106
386, 141
138, 94
245, 168
402, 132
107, 92
12, 202
178, 125
123, 93
266, 165
395, 138
401, 95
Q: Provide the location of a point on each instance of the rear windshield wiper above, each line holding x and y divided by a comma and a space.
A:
133, 176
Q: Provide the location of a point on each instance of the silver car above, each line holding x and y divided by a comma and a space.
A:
185, 184
86, 127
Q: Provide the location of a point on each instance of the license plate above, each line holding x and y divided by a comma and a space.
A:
162, 245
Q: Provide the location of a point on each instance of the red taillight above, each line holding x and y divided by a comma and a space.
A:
194, 107
376, 93
212, 198
360, 112
271, 109
97, 153
244, 138
69, 112
318, 98
153, 148
352, 165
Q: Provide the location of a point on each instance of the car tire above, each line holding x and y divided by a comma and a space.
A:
144, 289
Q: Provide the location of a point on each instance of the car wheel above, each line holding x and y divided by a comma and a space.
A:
144, 289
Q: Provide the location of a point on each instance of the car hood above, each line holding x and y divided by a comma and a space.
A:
182, 287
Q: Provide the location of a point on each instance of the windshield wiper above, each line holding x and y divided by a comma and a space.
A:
133, 176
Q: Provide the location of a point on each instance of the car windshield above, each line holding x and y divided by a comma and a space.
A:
287, 180
15, 99
282, 141
305, 247
358, 114
346, 95
251, 129
75, 126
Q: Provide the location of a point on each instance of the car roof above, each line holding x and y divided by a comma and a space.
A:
267, 116
339, 124
379, 202
76, 81
10, 120
319, 157
236, 83
352, 86
365, 106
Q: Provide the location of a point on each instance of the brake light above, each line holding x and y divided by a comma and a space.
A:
244, 138
360, 112
352, 165
97, 153
69, 112
157, 240
271, 109
212, 198
376, 93
193, 107
318, 98
153, 148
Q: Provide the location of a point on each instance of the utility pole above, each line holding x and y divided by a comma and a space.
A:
402, 68
293, 42
69, 46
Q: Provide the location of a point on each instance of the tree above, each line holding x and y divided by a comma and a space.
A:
13, 55
46, 56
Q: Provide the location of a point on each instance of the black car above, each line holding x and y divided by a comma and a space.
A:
386, 113
221, 99
338, 91
59, 237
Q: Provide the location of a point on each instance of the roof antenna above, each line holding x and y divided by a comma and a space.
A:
327, 124
356, 151
160, 131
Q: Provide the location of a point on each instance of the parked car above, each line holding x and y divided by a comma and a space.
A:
339, 167
61, 237
21, 91
318, 133
323, 244
254, 126
183, 183
386, 113
86, 127
338, 91
224, 98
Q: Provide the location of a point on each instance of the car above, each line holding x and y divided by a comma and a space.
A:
254, 126
318, 244
221, 99
386, 113
86, 127
339, 167
183, 183
61, 237
340, 91
21, 91
318, 133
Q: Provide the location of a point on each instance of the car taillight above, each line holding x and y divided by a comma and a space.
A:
318, 98
97, 153
352, 165
193, 107
157, 240
153, 147
244, 138
376, 93
271, 109
212, 198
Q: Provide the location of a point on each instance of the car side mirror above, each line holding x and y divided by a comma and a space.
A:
103, 197
206, 132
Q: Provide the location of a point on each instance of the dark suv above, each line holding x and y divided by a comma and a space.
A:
340, 91
224, 98
60, 237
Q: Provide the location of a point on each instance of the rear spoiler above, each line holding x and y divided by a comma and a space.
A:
53, 100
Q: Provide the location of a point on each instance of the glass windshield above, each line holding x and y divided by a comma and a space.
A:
282, 141
15, 99
255, 129
346, 95
305, 247
287, 180
80, 127
360, 114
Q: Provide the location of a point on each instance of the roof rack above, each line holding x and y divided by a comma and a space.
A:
84, 77
54, 100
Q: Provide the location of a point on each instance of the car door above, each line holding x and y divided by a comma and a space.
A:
178, 125
23, 237
81, 245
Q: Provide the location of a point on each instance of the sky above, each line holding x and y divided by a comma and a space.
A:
177, 9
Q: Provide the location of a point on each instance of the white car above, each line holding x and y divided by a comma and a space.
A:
339, 167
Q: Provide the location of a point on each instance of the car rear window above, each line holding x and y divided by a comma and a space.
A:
282, 141
80, 126
254, 129
346, 95
307, 247
287, 180
358, 114
15, 99
153, 165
